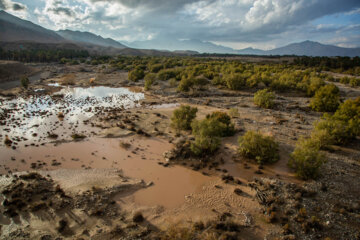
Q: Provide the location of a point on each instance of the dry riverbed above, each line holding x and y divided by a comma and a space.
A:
103, 164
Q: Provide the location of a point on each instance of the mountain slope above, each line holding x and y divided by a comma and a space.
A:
309, 48
16, 29
181, 45
87, 37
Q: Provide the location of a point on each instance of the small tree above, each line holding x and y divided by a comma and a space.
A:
182, 117
264, 98
228, 126
306, 159
326, 99
207, 136
149, 80
24, 82
136, 74
261, 148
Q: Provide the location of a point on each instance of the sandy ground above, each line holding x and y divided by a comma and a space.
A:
125, 147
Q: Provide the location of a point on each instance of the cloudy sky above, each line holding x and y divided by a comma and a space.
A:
263, 24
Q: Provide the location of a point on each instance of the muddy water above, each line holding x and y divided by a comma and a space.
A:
170, 184
33, 119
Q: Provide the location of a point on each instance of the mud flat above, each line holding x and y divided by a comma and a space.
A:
100, 161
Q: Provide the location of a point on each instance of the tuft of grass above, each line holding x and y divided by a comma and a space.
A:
77, 136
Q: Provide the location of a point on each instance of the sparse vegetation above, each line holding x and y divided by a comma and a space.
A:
227, 126
24, 82
136, 74
306, 159
182, 117
326, 99
150, 78
207, 134
264, 98
261, 148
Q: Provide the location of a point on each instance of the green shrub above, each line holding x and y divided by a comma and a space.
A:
354, 82
207, 136
306, 159
264, 98
330, 131
136, 74
341, 127
234, 81
227, 127
326, 99
172, 82
24, 82
166, 74
156, 68
182, 117
234, 112
150, 78
185, 84
261, 148
314, 84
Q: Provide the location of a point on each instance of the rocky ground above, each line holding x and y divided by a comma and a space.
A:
236, 199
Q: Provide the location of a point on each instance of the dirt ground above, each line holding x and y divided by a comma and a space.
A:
122, 167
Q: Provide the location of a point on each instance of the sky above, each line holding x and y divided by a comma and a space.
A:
263, 24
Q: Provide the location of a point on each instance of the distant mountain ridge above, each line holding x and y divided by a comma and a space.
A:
87, 37
14, 29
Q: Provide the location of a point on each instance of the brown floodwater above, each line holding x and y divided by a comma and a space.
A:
140, 161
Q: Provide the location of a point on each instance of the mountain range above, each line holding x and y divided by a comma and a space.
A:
15, 30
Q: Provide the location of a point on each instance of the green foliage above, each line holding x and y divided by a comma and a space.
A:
341, 127
24, 82
136, 74
172, 82
166, 74
234, 112
261, 148
227, 126
150, 78
207, 136
264, 98
195, 83
306, 159
326, 99
182, 117
185, 84
234, 81
156, 68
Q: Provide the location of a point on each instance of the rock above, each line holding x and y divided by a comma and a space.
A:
138, 217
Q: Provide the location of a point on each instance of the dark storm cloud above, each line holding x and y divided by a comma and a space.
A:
8, 5
2, 4
64, 10
18, 7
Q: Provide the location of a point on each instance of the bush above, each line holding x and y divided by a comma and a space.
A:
150, 78
136, 74
24, 82
185, 84
264, 98
341, 127
207, 136
306, 159
234, 81
261, 148
234, 112
182, 117
156, 68
227, 127
326, 99
166, 74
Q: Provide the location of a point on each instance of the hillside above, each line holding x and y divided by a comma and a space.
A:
16, 29
87, 37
